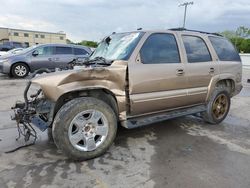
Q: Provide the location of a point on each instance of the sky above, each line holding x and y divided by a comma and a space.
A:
94, 19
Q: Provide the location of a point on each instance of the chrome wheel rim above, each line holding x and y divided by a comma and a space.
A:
88, 130
20, 70
220, 106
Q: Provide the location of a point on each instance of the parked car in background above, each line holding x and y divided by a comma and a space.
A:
49, 56
3, 53
6, 46
13, 51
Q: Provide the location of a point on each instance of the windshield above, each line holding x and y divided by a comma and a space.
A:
27, 49
117, 46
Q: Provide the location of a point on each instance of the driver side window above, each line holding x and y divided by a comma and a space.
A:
160, 48
47, 50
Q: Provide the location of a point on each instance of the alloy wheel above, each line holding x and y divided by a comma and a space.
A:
88, 130
220, 106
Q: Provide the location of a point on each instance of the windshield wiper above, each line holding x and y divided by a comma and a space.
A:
95, 61
98, 60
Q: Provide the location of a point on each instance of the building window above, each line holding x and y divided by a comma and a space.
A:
27, 44
16, 34
26, 34
42, 36
36, 35
61, 38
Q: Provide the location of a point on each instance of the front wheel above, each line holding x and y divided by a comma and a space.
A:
84, 128
218, 106
19, 70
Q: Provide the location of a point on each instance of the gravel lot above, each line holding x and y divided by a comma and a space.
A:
183, 152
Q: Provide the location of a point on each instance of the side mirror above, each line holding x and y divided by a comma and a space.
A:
35, 53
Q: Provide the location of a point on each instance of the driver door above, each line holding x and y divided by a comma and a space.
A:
44, 58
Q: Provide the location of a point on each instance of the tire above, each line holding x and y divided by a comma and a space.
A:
75, 128
217, 111
19, 70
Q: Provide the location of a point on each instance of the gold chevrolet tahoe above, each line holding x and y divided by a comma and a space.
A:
133, 79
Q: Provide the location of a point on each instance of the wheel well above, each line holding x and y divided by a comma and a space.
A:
19, 62
101, 94
227, 83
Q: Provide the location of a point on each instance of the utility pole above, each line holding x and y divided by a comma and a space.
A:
185, 11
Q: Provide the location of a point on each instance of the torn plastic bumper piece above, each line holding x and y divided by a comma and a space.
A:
39, 123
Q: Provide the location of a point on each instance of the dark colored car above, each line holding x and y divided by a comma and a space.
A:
6, 46
49, 56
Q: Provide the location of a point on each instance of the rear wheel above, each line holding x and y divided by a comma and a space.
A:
84, 128
218, 106
19, 70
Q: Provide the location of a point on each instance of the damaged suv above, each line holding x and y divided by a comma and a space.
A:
133, 79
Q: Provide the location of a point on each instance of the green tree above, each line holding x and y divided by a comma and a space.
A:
245, 46
69, 41
92, 44
240, 38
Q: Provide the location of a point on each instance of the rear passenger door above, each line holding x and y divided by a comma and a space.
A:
200, 67
157, 80
63, 55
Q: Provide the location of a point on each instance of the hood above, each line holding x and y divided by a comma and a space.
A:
111, 78
6, 56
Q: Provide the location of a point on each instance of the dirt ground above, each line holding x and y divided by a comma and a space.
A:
183, 152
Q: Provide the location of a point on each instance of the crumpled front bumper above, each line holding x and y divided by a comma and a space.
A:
35, 110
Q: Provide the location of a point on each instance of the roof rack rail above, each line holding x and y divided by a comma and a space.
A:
184, 29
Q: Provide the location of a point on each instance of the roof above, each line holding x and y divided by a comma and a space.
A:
190, 30
175, 30
66, 45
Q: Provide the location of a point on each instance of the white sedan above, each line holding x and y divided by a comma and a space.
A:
13, 51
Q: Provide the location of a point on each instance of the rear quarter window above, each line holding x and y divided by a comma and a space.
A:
224, 49
80, 51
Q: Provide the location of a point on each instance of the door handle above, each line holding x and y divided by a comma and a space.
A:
211, 70
179, 72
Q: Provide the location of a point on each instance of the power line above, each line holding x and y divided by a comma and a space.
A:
185, 11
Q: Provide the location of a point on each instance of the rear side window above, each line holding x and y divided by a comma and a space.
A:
224, 49
80, 51
63, 50
160, 48
196, 49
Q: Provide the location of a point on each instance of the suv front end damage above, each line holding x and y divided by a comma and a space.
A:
35, 110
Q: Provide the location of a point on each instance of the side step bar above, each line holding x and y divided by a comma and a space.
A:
131, 123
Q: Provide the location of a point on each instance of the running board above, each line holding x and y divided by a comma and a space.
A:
131, 123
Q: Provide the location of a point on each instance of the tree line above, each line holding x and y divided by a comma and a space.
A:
240, 38
91, 44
